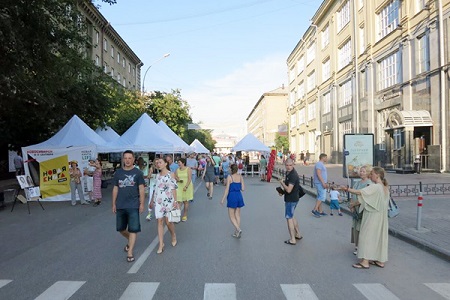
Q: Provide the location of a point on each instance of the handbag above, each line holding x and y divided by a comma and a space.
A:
174, 215
301, 191
393, 210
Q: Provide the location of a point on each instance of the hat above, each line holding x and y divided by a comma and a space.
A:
73, 162
92, 159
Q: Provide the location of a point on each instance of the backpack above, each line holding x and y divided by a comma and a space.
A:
240, 165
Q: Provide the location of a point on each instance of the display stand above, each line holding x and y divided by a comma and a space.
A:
32, 193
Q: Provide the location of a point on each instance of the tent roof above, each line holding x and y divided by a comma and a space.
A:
107, 133
198, 147
143, 136
181, 145
250, 143
75, 133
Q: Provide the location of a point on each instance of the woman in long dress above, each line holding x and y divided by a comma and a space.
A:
185, 191
164, 199
233, 194
97, 183
373, 236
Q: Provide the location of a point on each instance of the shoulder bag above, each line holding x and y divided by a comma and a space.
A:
393, 208
174, 216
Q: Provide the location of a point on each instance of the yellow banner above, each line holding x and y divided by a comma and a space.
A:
54, 177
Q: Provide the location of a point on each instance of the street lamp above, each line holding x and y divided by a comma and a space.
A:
145, 74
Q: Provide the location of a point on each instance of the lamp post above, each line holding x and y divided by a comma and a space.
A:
145, 74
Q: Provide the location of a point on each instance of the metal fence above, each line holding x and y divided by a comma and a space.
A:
400, 190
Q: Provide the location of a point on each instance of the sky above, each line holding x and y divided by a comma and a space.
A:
224, 55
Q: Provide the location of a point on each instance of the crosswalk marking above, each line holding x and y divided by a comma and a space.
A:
61, 290
442, 289
4, 282
219, 291
298, 292
375, 291
140, 290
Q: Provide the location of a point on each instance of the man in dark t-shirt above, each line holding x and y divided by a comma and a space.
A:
290, 186
128, 201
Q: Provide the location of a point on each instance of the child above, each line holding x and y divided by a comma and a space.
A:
334, 200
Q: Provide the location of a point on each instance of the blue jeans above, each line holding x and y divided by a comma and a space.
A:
289, 208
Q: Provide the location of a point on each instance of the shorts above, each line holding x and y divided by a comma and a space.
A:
216, 171
321, 192
128, 218
334, 204
289, 208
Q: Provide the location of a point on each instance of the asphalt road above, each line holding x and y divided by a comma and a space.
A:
74, 252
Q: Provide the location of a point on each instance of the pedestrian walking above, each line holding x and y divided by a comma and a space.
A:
18, 163
263, 167
185, 191
97, 183
225, 167
164, 200
289, 188
192, 163
128, 201
233, 193
209, 176
75, 183
320, 182
373, 237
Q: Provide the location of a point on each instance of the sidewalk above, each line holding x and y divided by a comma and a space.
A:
434, 233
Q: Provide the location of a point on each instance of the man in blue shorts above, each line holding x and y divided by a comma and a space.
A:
290, 185
320, 182
128, 201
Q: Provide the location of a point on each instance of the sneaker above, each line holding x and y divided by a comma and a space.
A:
341, 214
331, 214
149, 216
323, 213
184, 219
315, 213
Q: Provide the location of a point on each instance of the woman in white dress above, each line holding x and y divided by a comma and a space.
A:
164, 199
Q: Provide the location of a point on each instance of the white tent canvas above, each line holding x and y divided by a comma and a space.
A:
143, 136
198, 147
107, 133
181, 145
250, 143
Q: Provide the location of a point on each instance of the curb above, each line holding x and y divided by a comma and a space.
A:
402, 235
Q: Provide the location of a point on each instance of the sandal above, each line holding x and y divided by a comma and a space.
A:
360, 266
289, 242
298, 238
376, 263
130, 258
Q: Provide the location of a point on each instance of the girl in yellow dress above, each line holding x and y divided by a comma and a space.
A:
185, 191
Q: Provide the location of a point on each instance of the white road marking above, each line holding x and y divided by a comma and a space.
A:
140, 290
4, 282
442, 289
298, 292
219, 291
375, 291
61, 290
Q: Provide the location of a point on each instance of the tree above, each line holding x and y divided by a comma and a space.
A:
282, 142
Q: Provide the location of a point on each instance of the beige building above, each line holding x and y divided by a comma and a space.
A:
109, 50
224, 143
268, 116
378, 67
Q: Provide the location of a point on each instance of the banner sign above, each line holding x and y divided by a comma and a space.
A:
358, 151
54, 177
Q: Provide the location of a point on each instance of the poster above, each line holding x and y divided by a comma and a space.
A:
358, 151
25, 181
55, 178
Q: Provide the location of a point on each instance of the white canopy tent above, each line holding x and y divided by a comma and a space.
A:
107, 133
143, 136
198, 147
250, 143
181, 145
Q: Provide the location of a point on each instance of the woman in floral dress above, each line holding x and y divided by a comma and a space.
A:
164, 199
97, 190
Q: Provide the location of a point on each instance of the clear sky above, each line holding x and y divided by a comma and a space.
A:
223, 54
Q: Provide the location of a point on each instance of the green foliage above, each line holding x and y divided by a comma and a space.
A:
204, 137
282, 142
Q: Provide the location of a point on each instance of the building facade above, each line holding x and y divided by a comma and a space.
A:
268, 116
109, 51
378, 67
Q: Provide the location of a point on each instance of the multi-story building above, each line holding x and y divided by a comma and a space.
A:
109, 51
224, 143
378, 67
268, 116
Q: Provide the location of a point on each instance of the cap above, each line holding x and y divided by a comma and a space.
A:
73, 162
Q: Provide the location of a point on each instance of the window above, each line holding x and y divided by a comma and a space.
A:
300, 65
97, 37
105, 68
362, 43
134, 72
312, 141
362, 84
398, 139
345, 94
422, 55
301, 90
292, 97
291, 74
105, 44
129, 67
326, 103
97, 60
388, 18
360, 4
118, 57
382, 117
420, 4
310, 53
124, 83
312, 111
344, 128
345, 54
311, 81
326, 70
325, 36
388, 73
293, 121
343, 16
112, 51
302, 141
301, 116
112, 72
123, 62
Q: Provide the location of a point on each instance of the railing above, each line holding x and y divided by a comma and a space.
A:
397, 190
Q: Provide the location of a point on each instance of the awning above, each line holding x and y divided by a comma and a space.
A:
408, 118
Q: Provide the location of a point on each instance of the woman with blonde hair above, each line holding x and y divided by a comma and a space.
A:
373, 237
233, 194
